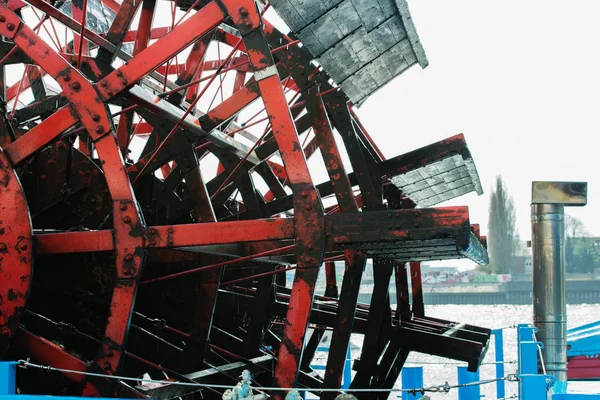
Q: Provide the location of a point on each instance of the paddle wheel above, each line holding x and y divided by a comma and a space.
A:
158, 179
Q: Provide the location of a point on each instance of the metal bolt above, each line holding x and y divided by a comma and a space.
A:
76, 86
123, 207
304, 194
107, 366
125, 83
99, 129
129, 257
23, 246
119, 73
103, 83
10, 26
128, 272
2, 18
153, 231
67, 78
3, 248
244, 11
308, 208
110, 353
170, 230
248, 24
126, 219
96, 117
153, 242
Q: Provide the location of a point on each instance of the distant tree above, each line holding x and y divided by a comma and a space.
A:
580, 254
503, 239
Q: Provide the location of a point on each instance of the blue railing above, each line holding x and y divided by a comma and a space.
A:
531, 384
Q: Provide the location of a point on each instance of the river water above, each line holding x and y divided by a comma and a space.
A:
437, 370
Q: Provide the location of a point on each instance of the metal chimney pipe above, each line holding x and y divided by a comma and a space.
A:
549, 268
549, 285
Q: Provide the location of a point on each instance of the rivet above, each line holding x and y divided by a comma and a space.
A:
76, 86
153, 231
23, 246
3, 248
110, 353
170, 230
96, 117
123, 207
129, 257
310, 246
244, 11
308, 208
119, 73
124, 81
126, 219
304, 194
10, 26
153, 242
67, 78
107, 366
99, 129
103, 83
2, 18
249, 25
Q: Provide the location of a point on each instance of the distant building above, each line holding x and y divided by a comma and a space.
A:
522, 265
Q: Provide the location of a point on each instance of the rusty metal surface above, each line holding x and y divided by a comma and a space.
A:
571, 194
448, 172
361, 44
150, 261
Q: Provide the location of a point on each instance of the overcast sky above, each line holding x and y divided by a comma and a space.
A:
521, 80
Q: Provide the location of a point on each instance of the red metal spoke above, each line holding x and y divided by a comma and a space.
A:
249, 278
239, 164
81, 37
40, 135
159, 52
185, 114
221, 264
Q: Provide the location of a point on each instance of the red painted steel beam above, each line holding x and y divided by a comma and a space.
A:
49, 353
41, 135
210, 233
74, 242
308, 210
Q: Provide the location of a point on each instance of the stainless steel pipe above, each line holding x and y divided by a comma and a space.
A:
549, 285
